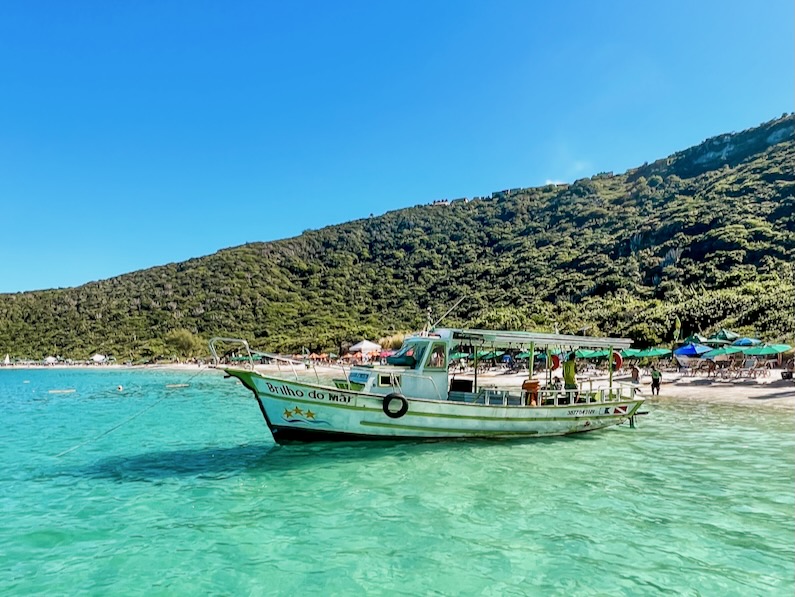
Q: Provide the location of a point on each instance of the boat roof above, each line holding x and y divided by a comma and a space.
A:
504, 339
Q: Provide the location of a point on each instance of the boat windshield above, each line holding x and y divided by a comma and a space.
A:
409, 355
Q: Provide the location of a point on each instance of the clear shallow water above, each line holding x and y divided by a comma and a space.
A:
192, 497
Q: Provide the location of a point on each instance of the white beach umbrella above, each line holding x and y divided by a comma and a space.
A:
50, 360
364, 346
98, 358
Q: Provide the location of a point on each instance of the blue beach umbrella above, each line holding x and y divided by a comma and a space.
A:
691, 350
746, 342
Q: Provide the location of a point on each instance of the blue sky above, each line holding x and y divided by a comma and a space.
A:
135, 134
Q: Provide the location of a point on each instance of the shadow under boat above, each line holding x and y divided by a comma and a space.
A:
220, 462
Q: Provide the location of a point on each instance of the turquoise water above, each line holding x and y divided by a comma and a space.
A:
189, 496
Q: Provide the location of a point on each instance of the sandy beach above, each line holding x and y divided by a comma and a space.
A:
760, 391
768, 391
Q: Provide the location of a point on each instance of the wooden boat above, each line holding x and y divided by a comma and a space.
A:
414, 396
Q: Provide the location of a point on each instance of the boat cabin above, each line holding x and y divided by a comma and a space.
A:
420, 369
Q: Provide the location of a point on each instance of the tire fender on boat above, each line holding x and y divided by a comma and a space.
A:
404, 406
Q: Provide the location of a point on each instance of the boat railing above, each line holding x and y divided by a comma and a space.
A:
214, 350
493, 396
279, 360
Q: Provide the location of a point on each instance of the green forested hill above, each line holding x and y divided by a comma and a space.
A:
707, 234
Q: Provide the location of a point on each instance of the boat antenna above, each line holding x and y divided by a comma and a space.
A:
458, 302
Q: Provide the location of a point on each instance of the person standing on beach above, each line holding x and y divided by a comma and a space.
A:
570, 375
656, 378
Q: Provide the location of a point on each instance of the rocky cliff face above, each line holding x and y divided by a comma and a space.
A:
728, 149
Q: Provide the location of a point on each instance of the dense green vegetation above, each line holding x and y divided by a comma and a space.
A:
707, 235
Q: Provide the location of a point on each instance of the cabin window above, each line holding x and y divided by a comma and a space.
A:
417, 352
410, 355
386, 380
437, 358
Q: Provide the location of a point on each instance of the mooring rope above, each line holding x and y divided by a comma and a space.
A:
112, 429
138, 414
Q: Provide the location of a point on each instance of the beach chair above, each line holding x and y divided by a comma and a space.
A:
748, 369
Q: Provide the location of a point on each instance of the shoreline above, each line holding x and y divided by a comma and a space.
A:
769, 391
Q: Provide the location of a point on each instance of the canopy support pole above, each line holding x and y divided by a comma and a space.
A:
610, 368
530, 366
475, 385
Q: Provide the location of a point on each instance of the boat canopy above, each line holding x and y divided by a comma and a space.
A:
501, 339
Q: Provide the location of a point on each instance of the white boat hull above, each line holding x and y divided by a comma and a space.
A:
299, 411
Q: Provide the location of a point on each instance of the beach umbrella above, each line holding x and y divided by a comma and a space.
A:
364, 346
584, 353
695, 339
653, 352
50, 360
598, 354
98, 358
746, 342
458, 355
722, 351
524, 355
724, 334
766, 349
715, 342
630, 353
691, 350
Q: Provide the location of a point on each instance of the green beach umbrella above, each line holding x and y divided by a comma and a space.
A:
654, 352
629, 353
719, 352
459, 355
724, 334
584, 353
695, 339
524, 355
766, 349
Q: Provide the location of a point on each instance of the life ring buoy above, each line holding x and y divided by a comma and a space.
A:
618, 360
395, 414
555, 362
